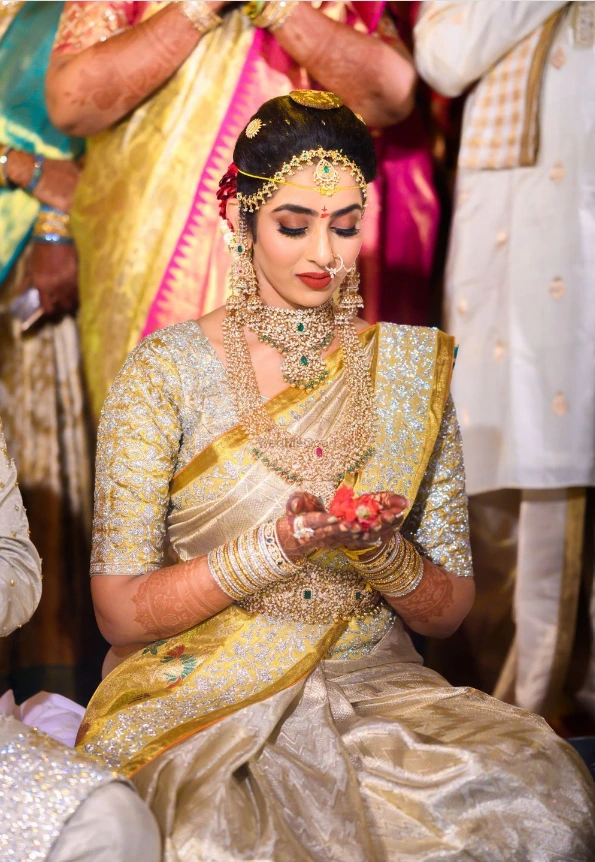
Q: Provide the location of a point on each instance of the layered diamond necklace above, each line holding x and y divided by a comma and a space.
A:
300, 335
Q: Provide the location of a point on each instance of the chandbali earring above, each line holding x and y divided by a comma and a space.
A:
242, 283
350, 300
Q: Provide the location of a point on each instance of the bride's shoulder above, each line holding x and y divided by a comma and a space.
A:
178, 340
403, 330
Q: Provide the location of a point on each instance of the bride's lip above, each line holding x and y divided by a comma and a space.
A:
315, 280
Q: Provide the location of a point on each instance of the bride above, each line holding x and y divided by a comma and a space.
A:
264, 694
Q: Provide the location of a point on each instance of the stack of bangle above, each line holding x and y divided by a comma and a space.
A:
202, 17
396, 570
52, 226
5, 182
251, 562
270, 16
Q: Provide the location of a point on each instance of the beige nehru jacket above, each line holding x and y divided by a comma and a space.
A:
20, 566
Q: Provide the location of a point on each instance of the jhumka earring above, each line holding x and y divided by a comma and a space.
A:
350, 300
242, 283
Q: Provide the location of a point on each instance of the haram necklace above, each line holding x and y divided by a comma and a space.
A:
319, 465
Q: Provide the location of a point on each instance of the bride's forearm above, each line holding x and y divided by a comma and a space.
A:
135, 610
439, 604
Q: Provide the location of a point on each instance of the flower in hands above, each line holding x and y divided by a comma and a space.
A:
361, 510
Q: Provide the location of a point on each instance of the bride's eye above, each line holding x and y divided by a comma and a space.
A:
346, 231
292, 231
349, 227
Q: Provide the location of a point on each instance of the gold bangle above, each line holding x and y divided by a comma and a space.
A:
396, 571
52, 223
198, 13
274, 15
251, 563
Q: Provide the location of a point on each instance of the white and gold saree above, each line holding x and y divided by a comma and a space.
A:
266, 738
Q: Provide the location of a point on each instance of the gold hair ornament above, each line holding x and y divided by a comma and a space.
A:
253, 128
326, 177
322, 100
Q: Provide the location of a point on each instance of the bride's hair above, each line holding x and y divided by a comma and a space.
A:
289, 128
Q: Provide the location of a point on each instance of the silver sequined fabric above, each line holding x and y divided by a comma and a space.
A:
171, 400
42, 783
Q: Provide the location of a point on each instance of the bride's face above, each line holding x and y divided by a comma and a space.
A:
300, 232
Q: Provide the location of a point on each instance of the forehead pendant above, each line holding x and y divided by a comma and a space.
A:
326, 177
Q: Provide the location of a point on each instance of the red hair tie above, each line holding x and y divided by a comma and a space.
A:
228, 187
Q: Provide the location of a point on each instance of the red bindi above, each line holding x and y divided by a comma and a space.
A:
325, 213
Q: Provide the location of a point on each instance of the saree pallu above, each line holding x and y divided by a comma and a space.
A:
259, 737
42, 396
146, 217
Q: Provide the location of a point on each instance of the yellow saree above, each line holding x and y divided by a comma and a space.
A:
259, 737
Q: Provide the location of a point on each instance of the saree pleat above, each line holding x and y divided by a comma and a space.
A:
373, 760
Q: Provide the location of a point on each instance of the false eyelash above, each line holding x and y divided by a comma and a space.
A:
300, 231
346, 231
292, 231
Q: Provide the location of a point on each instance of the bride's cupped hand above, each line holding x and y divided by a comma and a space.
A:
308, 527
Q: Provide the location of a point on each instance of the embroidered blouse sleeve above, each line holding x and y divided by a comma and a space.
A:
82, 24
138, 442
20, 566
438, 524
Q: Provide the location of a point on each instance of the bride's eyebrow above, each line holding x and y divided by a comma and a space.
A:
294, 208
346, 210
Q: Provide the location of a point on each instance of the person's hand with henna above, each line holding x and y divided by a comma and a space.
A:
436, 607
330, 531
52, 267
58, 181
53, 270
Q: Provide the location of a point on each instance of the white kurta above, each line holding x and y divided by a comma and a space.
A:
520, 281
20, 566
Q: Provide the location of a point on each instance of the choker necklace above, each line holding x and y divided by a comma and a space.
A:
300, 336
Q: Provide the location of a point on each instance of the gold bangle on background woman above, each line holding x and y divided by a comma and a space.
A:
396, 570
270, 16
52, 226
200, 14
251, 562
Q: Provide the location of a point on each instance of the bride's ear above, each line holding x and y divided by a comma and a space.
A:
233, 213
233, 217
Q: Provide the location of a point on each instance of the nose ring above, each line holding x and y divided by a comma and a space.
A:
335, 270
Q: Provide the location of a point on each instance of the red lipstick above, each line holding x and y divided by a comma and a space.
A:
315, 280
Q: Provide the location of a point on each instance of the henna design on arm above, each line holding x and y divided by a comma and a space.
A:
432, 598
375, 76
171, 600
90, 91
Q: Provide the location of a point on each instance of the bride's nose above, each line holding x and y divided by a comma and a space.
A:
321, 252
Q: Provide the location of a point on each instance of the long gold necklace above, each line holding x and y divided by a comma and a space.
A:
318, 465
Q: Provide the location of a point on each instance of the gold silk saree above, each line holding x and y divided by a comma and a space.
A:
255, 736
